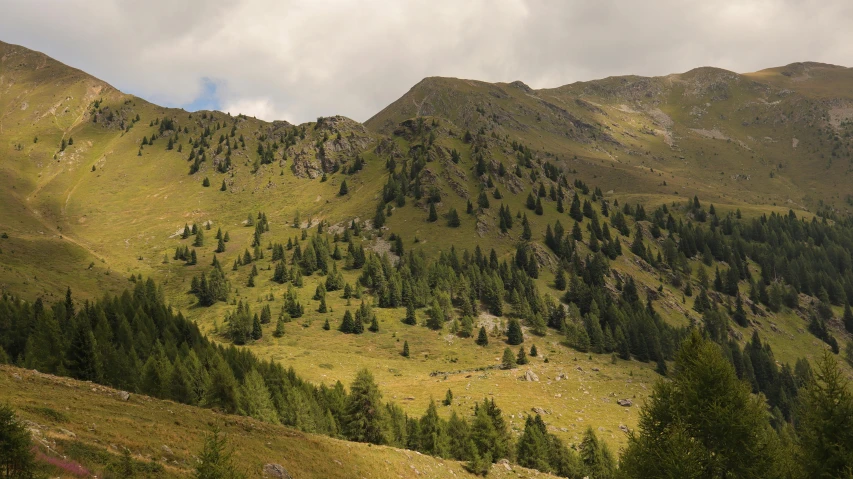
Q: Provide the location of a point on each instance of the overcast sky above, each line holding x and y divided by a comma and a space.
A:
279, 59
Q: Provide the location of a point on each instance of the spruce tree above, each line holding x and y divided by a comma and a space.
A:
279, 327
364, 414
704, 422
508, 359
257, 332
344, 189
433, 216
521, 358
215, 460
533, 351
453, 218
224, 187
448, 398
514, 335
482, 337
347, 324
16, 448
405, 352
847, 318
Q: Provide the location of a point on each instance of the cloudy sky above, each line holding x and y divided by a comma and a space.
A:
280, 59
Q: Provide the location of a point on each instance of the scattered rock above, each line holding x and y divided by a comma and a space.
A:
625, 402
276, 471
505, 464
16, 376
166, 450
596, 370
531, 376
124, 395
540, 411
623, 428
66, 432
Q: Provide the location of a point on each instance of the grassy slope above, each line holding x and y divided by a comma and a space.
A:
70, 415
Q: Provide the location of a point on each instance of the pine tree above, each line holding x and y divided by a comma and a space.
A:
279, 327
205, 182
374, 325
16, 448
224, 187
347, 324
405, 352
597, 459
410, 318
364, 413
199, 239
453, 218
521, 358
704, 422
255, 399
514, 335
526, 233
508, 359
215, 460
482, 337
257, 332
826, 422
739, 314
533, 351
344, 189
847, 318
448, 398
433, 216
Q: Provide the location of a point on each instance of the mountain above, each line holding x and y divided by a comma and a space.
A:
601, 219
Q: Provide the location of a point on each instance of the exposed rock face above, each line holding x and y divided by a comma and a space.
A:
276, 471
341, 139
625, 402
531, 376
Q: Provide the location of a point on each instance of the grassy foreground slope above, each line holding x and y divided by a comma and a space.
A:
83, 421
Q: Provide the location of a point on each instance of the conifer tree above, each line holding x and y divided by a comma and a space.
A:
279, 327
526, 233
703, 423
347, 324
826, 422
433, 216
508, 360
364, 414
224, 187
521, 358
448, 398
514, 336
199, 239
533, 351
482, 337
405, 352
257, 331
453, 218
16, 449
215, 460
344, 189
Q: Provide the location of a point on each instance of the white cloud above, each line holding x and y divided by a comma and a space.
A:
299, 60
